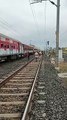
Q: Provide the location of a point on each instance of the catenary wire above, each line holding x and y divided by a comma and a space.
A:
35, 21
4, 24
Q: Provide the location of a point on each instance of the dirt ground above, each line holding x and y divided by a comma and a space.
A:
64, 82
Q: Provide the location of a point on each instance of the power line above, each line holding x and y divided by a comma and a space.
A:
45, 18
45, 27
35, 21
7, 26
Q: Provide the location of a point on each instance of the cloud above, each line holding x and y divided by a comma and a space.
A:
37, 25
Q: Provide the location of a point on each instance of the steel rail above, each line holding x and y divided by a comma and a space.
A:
13, 74
30, 95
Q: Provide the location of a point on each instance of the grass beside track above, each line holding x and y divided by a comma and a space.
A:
63, 67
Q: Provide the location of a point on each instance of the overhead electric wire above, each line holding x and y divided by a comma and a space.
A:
11, 26
45, 25
8, 26
36, 23
45, 18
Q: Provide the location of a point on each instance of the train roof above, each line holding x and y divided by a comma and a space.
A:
26, 47
5, 36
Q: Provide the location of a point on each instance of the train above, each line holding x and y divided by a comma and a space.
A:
13, 49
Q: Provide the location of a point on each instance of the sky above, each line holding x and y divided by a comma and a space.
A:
33, 23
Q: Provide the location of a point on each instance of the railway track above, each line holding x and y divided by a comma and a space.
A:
8, 68
16, 92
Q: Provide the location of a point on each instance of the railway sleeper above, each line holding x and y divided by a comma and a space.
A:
23, 77
13, 108
10, 116
21, 81
13, 98
17, 90
17, 85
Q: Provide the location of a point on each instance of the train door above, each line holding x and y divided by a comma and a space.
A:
11, 49
21, 48
18, 48
3, 49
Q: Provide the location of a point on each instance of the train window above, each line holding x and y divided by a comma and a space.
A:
2, 45
11, 47
14, 47
7, 38
7, 46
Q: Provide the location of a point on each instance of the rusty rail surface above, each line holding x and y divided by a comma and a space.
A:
24, 117
13, 74
16, 91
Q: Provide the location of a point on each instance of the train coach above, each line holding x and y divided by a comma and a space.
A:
12, 49
28, 49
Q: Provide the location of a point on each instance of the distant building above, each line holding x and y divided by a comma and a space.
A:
64, 49
64, 52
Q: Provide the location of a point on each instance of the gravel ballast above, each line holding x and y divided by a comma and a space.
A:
50, 97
